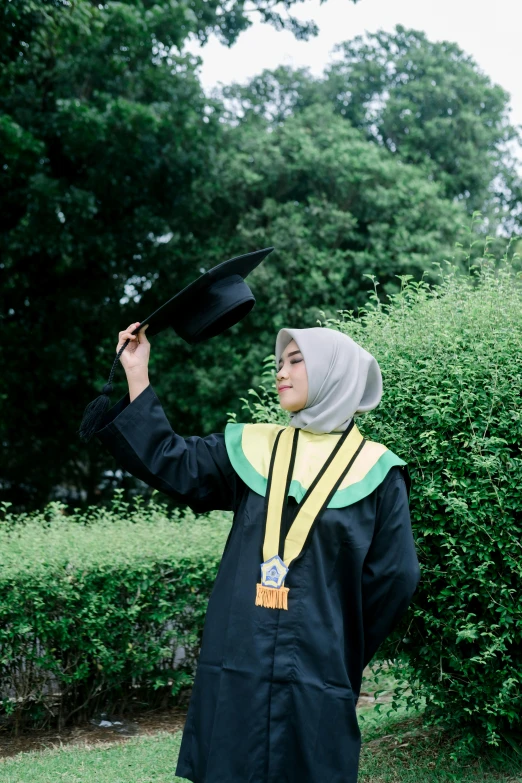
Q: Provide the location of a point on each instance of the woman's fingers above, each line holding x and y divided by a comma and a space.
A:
142, 334
126, 334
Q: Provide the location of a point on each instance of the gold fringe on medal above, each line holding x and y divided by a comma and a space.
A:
272, 597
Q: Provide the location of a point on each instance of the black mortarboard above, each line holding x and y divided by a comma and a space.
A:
203, 309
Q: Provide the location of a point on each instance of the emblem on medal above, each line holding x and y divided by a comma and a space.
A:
273, 572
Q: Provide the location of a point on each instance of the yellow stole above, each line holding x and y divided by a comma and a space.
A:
271, 592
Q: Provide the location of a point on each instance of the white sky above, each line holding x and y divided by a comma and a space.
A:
489, 30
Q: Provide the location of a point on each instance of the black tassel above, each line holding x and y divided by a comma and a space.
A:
94, 413
95, 410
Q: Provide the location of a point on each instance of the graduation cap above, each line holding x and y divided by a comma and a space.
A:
206, 307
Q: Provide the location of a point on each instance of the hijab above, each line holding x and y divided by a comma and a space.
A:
343, 378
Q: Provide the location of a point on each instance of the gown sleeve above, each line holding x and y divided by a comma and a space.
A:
391, 569
195, 470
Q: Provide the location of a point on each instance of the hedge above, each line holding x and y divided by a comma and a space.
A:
451, 359
94, 606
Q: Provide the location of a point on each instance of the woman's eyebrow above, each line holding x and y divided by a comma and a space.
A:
292, 353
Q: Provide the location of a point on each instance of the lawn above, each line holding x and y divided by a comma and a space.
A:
397, 748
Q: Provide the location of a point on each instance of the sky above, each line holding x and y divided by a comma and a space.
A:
489, 30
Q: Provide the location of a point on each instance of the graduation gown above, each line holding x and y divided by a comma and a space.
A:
275, 690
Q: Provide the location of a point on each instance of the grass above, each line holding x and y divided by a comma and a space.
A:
137, 760
397, 748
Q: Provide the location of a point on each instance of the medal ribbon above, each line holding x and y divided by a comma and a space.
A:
271, 592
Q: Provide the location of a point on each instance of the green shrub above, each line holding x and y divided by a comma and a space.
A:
451, 359
93, 606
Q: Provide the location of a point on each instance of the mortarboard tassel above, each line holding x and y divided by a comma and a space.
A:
95, 410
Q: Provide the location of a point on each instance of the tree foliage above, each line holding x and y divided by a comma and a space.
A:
120, 179
426, 102
429, 102
104, 128
101, 137
336, 207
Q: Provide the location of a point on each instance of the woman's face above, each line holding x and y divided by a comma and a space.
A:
291, 379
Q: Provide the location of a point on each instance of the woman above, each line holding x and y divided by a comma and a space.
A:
318, 567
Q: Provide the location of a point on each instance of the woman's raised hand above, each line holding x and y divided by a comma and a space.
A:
136, 355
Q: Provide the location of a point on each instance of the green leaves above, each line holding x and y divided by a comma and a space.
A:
452, 398
425, 102
336, 207
93, 605
120, 174
428, 103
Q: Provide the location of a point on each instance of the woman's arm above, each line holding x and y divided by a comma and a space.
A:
391, 570
138, 382
195, 470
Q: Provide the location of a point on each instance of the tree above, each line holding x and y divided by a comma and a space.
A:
431, 104
103, 129
336, 207
120, 176
426, 102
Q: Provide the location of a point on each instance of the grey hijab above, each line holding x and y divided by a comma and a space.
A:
343, 378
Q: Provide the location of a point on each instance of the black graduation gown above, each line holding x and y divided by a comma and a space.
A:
275, 690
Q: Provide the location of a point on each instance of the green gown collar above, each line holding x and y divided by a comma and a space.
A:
249, 447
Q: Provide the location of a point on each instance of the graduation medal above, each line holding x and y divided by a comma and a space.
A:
271, 591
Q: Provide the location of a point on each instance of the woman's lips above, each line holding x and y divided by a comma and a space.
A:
282, 388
